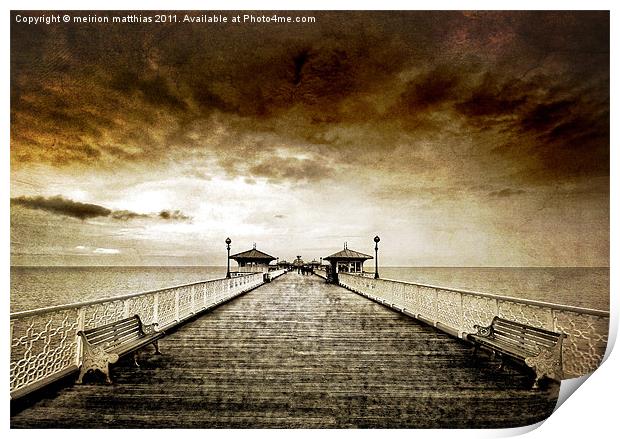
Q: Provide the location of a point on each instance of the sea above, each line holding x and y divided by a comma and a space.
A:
38, 287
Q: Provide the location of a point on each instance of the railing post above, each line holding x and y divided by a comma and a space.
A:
436, 306
496, 311
176, 304
551, 319
156, 309
78, 339
193, 290
126, 308
461, 316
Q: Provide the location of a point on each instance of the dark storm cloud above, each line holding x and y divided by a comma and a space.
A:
492, 100
347, 91
62, 206
430, 89
173, 215
126, 215
66, 207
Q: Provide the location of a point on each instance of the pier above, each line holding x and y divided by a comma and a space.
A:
298, 352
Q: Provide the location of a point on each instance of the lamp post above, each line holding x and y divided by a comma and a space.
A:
377, 257
228, 241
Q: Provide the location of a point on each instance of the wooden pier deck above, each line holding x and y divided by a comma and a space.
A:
299, 353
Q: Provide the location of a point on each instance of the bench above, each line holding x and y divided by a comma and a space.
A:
104, 345
538, 348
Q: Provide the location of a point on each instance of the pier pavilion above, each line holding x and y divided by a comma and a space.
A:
253, 261
314, 264
285, 265
345, 261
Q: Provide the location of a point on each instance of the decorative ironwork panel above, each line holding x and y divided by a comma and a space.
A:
42, 345
584, 348
399, 298
100, 314
353, 282
167, 308
220, 287
537, 316
240, 285
199, 296
427, 305
477, 310
185, 301
209, 288
144, 306
410, 300
449, 311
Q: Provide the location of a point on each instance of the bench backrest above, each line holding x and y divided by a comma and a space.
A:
527, 337
116, 333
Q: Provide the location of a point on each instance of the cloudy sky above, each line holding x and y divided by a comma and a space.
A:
461, 139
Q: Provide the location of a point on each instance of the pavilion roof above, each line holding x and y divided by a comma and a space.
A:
253, 254
347, 254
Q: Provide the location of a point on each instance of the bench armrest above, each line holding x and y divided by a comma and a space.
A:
484, 331
149, 329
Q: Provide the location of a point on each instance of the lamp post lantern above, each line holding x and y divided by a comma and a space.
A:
377, 257
228, 241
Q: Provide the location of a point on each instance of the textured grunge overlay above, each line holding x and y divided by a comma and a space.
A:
463, 139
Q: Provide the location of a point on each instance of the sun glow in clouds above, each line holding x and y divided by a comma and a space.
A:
106, 251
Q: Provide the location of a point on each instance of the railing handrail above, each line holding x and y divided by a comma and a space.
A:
44, 310
577, 309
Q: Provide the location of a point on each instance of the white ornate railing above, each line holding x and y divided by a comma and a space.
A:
276, 273
457, 311
45, 345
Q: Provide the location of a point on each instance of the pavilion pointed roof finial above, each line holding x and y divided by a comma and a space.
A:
254, 246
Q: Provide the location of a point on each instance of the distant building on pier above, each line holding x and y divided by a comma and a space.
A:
253, 261
298, 262
314, 264
284, 264
345, 261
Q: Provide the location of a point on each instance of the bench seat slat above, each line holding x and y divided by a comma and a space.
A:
119, 341
523, 339
527, 333
128, 320
102, 338
501, 321
500, 341
110, 332
508, 347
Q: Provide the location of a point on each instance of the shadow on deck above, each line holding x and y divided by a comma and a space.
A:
300, 353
